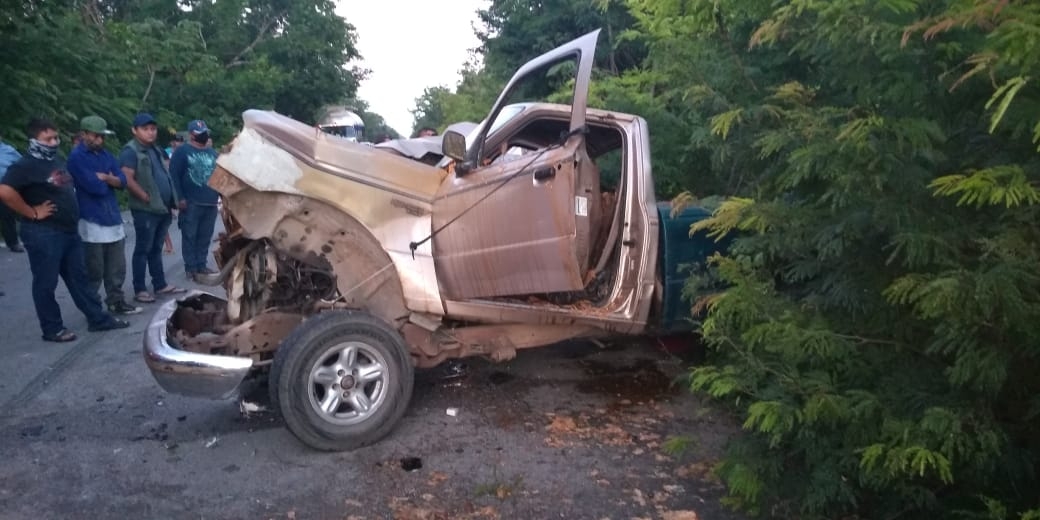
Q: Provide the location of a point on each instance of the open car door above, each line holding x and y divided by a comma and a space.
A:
521, 224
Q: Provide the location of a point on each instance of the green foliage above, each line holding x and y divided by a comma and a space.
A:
878, 337
1005, 185
180, 60
874, 321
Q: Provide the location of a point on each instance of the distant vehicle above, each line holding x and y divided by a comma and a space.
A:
342, 122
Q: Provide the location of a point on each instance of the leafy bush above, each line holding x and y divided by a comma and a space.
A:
881, 332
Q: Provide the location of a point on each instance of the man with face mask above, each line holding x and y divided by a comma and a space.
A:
39, 189
152, 201
191, 166
96, 175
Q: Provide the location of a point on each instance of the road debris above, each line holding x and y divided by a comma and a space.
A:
679, 515
411, 463
248, 408
211, 443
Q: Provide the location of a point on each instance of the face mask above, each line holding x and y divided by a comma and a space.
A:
42, 151
202, 138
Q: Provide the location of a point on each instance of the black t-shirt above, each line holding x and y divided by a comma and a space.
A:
38, 181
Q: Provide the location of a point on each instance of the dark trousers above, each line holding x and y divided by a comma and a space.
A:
8, 225
196, 222
53, 253
151, 231
106, 264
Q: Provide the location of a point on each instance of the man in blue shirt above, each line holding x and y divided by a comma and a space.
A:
152, 201
8, 225
96, 175
191, 166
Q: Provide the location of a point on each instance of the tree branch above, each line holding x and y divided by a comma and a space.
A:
733, 50
92, 14
151, 80
237, 60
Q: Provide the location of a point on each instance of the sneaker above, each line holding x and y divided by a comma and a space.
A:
111, 325
123, 308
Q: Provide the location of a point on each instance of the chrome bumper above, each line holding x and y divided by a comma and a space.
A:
190, 373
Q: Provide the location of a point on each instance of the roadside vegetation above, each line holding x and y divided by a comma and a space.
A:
877, 162
178, 59
878, 159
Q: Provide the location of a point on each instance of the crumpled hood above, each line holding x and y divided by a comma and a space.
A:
419, 148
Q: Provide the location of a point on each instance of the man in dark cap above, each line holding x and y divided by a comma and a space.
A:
191, 167
152, 201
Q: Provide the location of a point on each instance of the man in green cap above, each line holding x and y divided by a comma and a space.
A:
97, 175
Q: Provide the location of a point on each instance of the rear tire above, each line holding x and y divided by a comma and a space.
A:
341, 380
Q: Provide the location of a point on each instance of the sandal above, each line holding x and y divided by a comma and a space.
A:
62, 336
144, 297
171, 289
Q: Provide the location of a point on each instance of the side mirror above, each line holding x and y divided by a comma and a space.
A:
453, 144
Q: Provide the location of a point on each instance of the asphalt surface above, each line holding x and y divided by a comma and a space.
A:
575, 430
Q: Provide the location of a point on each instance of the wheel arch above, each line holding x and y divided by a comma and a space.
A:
318, 233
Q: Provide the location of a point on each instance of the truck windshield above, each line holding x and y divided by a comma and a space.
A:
507, 113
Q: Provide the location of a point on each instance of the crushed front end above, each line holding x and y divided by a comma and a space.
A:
204, 345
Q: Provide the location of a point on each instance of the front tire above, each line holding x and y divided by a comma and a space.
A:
341, 380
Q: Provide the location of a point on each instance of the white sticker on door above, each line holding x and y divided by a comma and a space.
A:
581, 206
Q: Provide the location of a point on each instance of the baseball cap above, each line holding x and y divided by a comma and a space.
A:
95, 124
144, 119
197, 127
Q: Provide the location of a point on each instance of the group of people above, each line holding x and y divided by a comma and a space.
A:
70, 224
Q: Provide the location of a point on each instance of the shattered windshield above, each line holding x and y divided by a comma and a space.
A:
507, 113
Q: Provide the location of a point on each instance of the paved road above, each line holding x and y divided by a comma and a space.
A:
569, 431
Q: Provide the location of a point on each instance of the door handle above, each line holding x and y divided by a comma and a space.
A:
544, 172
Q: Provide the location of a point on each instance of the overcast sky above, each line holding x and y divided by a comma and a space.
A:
409, 45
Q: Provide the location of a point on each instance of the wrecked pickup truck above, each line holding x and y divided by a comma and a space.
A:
346, 266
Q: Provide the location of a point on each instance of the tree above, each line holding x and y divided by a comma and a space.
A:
878, 328
429, 109
878, 338
181, 60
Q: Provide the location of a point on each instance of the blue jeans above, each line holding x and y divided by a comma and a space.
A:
151, 229
196, 223
52, 253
